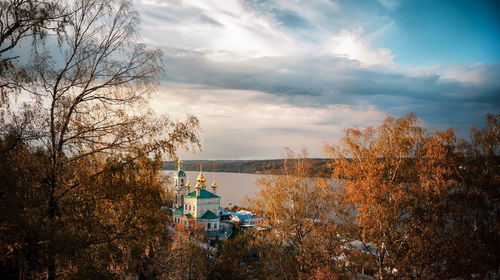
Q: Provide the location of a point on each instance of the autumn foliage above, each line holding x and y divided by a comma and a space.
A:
302, 241
403, 203
80, 191
406, 199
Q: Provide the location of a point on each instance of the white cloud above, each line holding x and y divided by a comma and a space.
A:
354, 45
248, 124
213, 25
262, 75
469, 74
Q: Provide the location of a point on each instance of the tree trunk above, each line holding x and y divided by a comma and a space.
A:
51, 259
380, 273
52, 266
381, 264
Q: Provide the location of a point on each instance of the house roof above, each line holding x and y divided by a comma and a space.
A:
203, 194
243, 216
209, 215
224, 213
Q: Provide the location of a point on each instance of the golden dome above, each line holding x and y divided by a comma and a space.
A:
201, 177
198, 186
214, 185
188, 185
179, 162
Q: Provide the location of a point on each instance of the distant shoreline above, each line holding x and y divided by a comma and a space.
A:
269, 166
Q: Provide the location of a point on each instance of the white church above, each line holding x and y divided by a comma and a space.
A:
199, 206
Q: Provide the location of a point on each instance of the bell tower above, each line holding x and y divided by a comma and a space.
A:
180, 185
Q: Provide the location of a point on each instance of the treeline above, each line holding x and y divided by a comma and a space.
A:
270, 166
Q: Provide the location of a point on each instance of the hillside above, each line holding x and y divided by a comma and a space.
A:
243, 166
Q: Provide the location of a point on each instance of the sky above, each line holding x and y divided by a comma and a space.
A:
262, 75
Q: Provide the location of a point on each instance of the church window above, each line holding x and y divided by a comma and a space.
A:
208, 225
215, 225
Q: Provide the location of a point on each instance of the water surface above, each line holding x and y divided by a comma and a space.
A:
233, 188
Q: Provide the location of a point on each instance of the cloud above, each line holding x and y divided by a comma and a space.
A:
213, 25
264, 104
353, 45
247, 124
264, 74
313, 80
316, 82
473, 74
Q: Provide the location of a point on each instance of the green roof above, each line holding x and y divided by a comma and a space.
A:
209, 215
188, 215
179, 211
181, 173
203, 194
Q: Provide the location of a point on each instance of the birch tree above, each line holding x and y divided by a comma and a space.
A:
88, 109
296, 208
21, 20
412, 199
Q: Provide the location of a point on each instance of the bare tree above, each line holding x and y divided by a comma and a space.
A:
19, 20
89, 104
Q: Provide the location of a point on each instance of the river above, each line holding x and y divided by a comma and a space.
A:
233, 188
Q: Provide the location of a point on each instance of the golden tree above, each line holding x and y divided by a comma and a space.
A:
188, 256
398, 185
393, 181
296, 208
21, 218
475, 209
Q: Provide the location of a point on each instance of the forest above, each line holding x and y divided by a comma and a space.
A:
269, 166
81, 192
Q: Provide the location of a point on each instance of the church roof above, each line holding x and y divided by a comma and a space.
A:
203, 194
188, 215
179, 211
181, 173
209, 215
